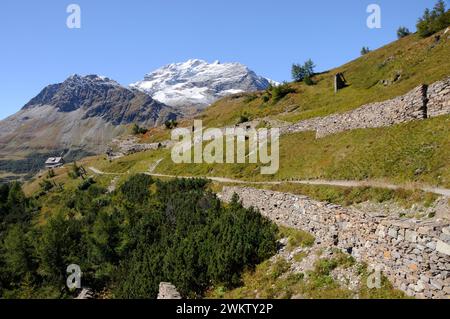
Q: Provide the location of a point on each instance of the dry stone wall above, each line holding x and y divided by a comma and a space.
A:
414, 255
420, 103
439, 98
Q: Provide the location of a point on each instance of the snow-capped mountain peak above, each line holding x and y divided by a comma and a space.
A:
197, 83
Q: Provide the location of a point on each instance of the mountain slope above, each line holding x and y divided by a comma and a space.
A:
385, 73
83, 112
415, 152
197, 83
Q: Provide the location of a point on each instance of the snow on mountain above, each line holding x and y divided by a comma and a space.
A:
197, 83
86, 112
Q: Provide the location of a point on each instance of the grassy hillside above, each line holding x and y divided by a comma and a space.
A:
411, 153
415, 152
412, 60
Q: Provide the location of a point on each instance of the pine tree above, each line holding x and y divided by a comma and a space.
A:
17, 204
299, 72
17, 253
365, 50
434, 20
403, 32
309, 68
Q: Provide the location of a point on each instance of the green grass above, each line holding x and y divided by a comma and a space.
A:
417, 60
321, 284
135, 163
414, 152
264, 282
410, 153
298, 257
296, 238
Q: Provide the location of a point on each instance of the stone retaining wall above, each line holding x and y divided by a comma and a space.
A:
439, 98
414, 255
420, 103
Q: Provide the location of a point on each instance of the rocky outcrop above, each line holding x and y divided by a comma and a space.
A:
414, 255
168, 291
422, 102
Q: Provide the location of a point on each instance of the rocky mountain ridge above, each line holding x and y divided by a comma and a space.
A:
197, 83
85, 112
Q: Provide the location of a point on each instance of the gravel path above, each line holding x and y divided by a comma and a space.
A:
436, 190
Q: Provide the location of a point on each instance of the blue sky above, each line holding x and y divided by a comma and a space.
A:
126, 39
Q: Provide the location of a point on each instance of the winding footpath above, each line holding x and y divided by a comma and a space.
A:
343, 183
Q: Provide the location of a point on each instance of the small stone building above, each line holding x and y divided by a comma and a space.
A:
53, 162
